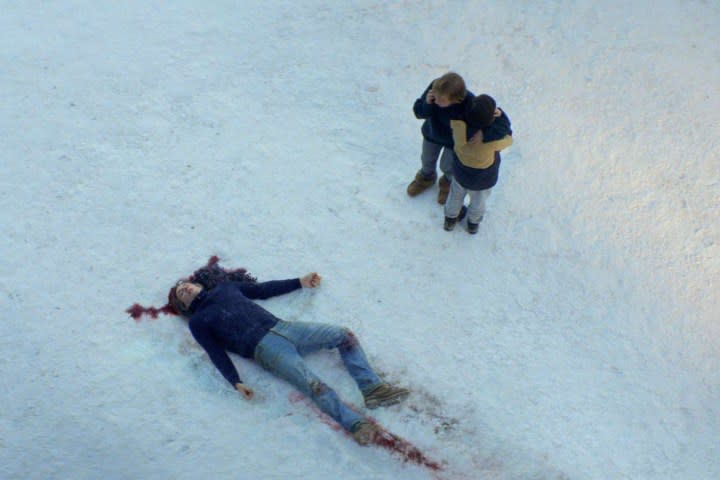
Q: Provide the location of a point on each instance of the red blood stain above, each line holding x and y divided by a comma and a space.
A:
349, 342
398, 446
137, 311
405, 450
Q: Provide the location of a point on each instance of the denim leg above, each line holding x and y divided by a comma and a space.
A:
279, 356
429, 157
446, 162
455, 199
309, 337
476, 208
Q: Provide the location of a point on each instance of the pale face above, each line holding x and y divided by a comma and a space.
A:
187, 291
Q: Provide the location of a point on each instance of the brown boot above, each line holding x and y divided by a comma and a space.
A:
444, 185
365, 432
420, 184
384, 395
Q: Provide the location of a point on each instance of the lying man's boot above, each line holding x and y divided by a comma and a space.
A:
444, 185
421, 183
384, 395
364, 432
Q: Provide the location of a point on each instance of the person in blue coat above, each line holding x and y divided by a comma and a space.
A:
444, 99
224, 318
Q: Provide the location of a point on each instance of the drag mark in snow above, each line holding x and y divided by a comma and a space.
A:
398, 446
405, 450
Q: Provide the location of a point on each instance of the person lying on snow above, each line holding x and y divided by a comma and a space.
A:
223, 318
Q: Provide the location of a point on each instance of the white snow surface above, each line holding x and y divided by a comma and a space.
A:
576, 336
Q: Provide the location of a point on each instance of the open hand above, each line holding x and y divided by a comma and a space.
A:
311, 280
246, 392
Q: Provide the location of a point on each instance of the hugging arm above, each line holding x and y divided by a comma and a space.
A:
498, 129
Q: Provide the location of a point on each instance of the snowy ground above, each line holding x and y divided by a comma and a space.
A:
575, 337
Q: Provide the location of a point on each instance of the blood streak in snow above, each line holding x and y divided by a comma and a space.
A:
396, 445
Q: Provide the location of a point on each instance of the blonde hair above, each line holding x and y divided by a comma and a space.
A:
452, 86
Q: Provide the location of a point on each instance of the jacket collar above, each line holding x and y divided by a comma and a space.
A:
198, 300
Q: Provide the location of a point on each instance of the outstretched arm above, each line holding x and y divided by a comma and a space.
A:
263, 290
273, 288
215, 351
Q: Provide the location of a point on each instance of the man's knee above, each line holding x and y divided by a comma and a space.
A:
349, 339
317, 388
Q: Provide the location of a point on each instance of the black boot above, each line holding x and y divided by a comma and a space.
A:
472, 228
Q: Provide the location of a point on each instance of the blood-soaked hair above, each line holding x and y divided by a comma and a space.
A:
208, 276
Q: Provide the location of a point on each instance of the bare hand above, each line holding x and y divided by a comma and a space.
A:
311, 280
246, 392
430, 98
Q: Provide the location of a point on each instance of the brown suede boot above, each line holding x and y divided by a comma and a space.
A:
365, 432
420, 184
384, 395
444, 185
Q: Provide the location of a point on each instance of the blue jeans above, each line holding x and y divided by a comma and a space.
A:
280, 352
429, 159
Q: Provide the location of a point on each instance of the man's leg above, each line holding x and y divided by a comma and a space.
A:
279, 356
446, 163
429, 158
309, 337
455, 200
476, 208
426, 176
454, 204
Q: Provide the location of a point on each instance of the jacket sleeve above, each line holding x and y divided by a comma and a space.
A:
263, 290
459, 131
215, 351
498, 129
498, 145
421, 108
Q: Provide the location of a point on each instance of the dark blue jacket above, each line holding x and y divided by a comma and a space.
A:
436, 128
476, 178
225, 319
